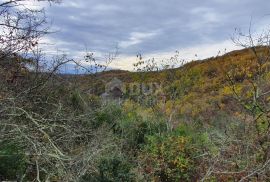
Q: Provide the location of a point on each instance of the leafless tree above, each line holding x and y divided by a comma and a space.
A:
53, 135
21, 26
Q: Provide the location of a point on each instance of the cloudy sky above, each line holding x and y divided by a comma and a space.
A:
154, 28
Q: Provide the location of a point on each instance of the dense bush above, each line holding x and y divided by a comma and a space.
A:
13, 162
110, 169
136, 124
173, 156
108, 115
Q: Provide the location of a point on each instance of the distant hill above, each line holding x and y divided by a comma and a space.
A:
201, 87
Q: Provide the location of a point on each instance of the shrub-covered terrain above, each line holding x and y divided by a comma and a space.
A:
206, 120
204, 123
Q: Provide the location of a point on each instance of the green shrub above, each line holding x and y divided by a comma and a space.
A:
134, 127
76, 101
12, 161
172, 156
111, 169
109, 115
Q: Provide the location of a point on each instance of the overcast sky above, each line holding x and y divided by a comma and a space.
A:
151, 27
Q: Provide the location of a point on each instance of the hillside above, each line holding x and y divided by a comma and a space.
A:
168, 121
206, 120
201, 87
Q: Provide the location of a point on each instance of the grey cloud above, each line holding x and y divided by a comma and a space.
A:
149, 26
